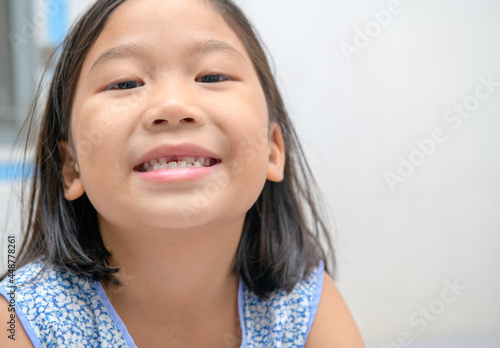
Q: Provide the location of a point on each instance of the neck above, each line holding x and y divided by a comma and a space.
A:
175, 277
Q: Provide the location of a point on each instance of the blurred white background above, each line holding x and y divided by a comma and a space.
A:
397, 105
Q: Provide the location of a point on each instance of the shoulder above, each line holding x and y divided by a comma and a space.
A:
333, 324
12, 331
10, 314
57, 307
284, 318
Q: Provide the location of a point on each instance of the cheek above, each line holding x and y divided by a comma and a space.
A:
98, 134
250, 141
251, 147
250, 159
97, 123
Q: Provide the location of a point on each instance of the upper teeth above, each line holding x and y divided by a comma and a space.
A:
184, 162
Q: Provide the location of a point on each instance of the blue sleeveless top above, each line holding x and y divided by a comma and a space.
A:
61, 309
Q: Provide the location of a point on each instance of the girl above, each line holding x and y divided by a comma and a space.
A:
170, 205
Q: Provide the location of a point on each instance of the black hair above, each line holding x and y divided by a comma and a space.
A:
284, 234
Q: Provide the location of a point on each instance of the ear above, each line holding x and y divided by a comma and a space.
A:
276, 168
72, 182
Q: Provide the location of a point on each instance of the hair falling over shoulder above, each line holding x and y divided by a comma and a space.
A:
284, 234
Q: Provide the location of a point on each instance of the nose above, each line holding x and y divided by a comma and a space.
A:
173, 106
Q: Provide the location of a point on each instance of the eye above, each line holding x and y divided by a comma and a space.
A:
211, 78
125, 85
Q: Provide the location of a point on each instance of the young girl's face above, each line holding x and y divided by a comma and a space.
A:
168, 81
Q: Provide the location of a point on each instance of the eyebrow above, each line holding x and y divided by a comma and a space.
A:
121, 51
208, 46
203, 47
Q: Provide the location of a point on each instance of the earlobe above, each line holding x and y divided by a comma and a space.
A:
72, 182
276, 169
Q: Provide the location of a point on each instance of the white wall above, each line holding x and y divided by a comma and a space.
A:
397, 249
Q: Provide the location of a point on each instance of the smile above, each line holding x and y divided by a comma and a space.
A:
176, 162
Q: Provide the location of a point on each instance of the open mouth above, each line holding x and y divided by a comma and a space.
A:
176, 162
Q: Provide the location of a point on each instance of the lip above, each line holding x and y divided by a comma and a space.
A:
176, 151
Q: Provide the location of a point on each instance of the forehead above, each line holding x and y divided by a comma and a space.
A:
166, 25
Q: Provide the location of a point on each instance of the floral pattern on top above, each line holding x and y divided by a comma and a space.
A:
58, 308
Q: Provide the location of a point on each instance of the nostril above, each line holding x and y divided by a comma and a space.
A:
173, 121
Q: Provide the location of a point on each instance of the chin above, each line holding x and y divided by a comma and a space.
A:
175, 220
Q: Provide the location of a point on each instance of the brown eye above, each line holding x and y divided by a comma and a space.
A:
213, 78
125, 85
